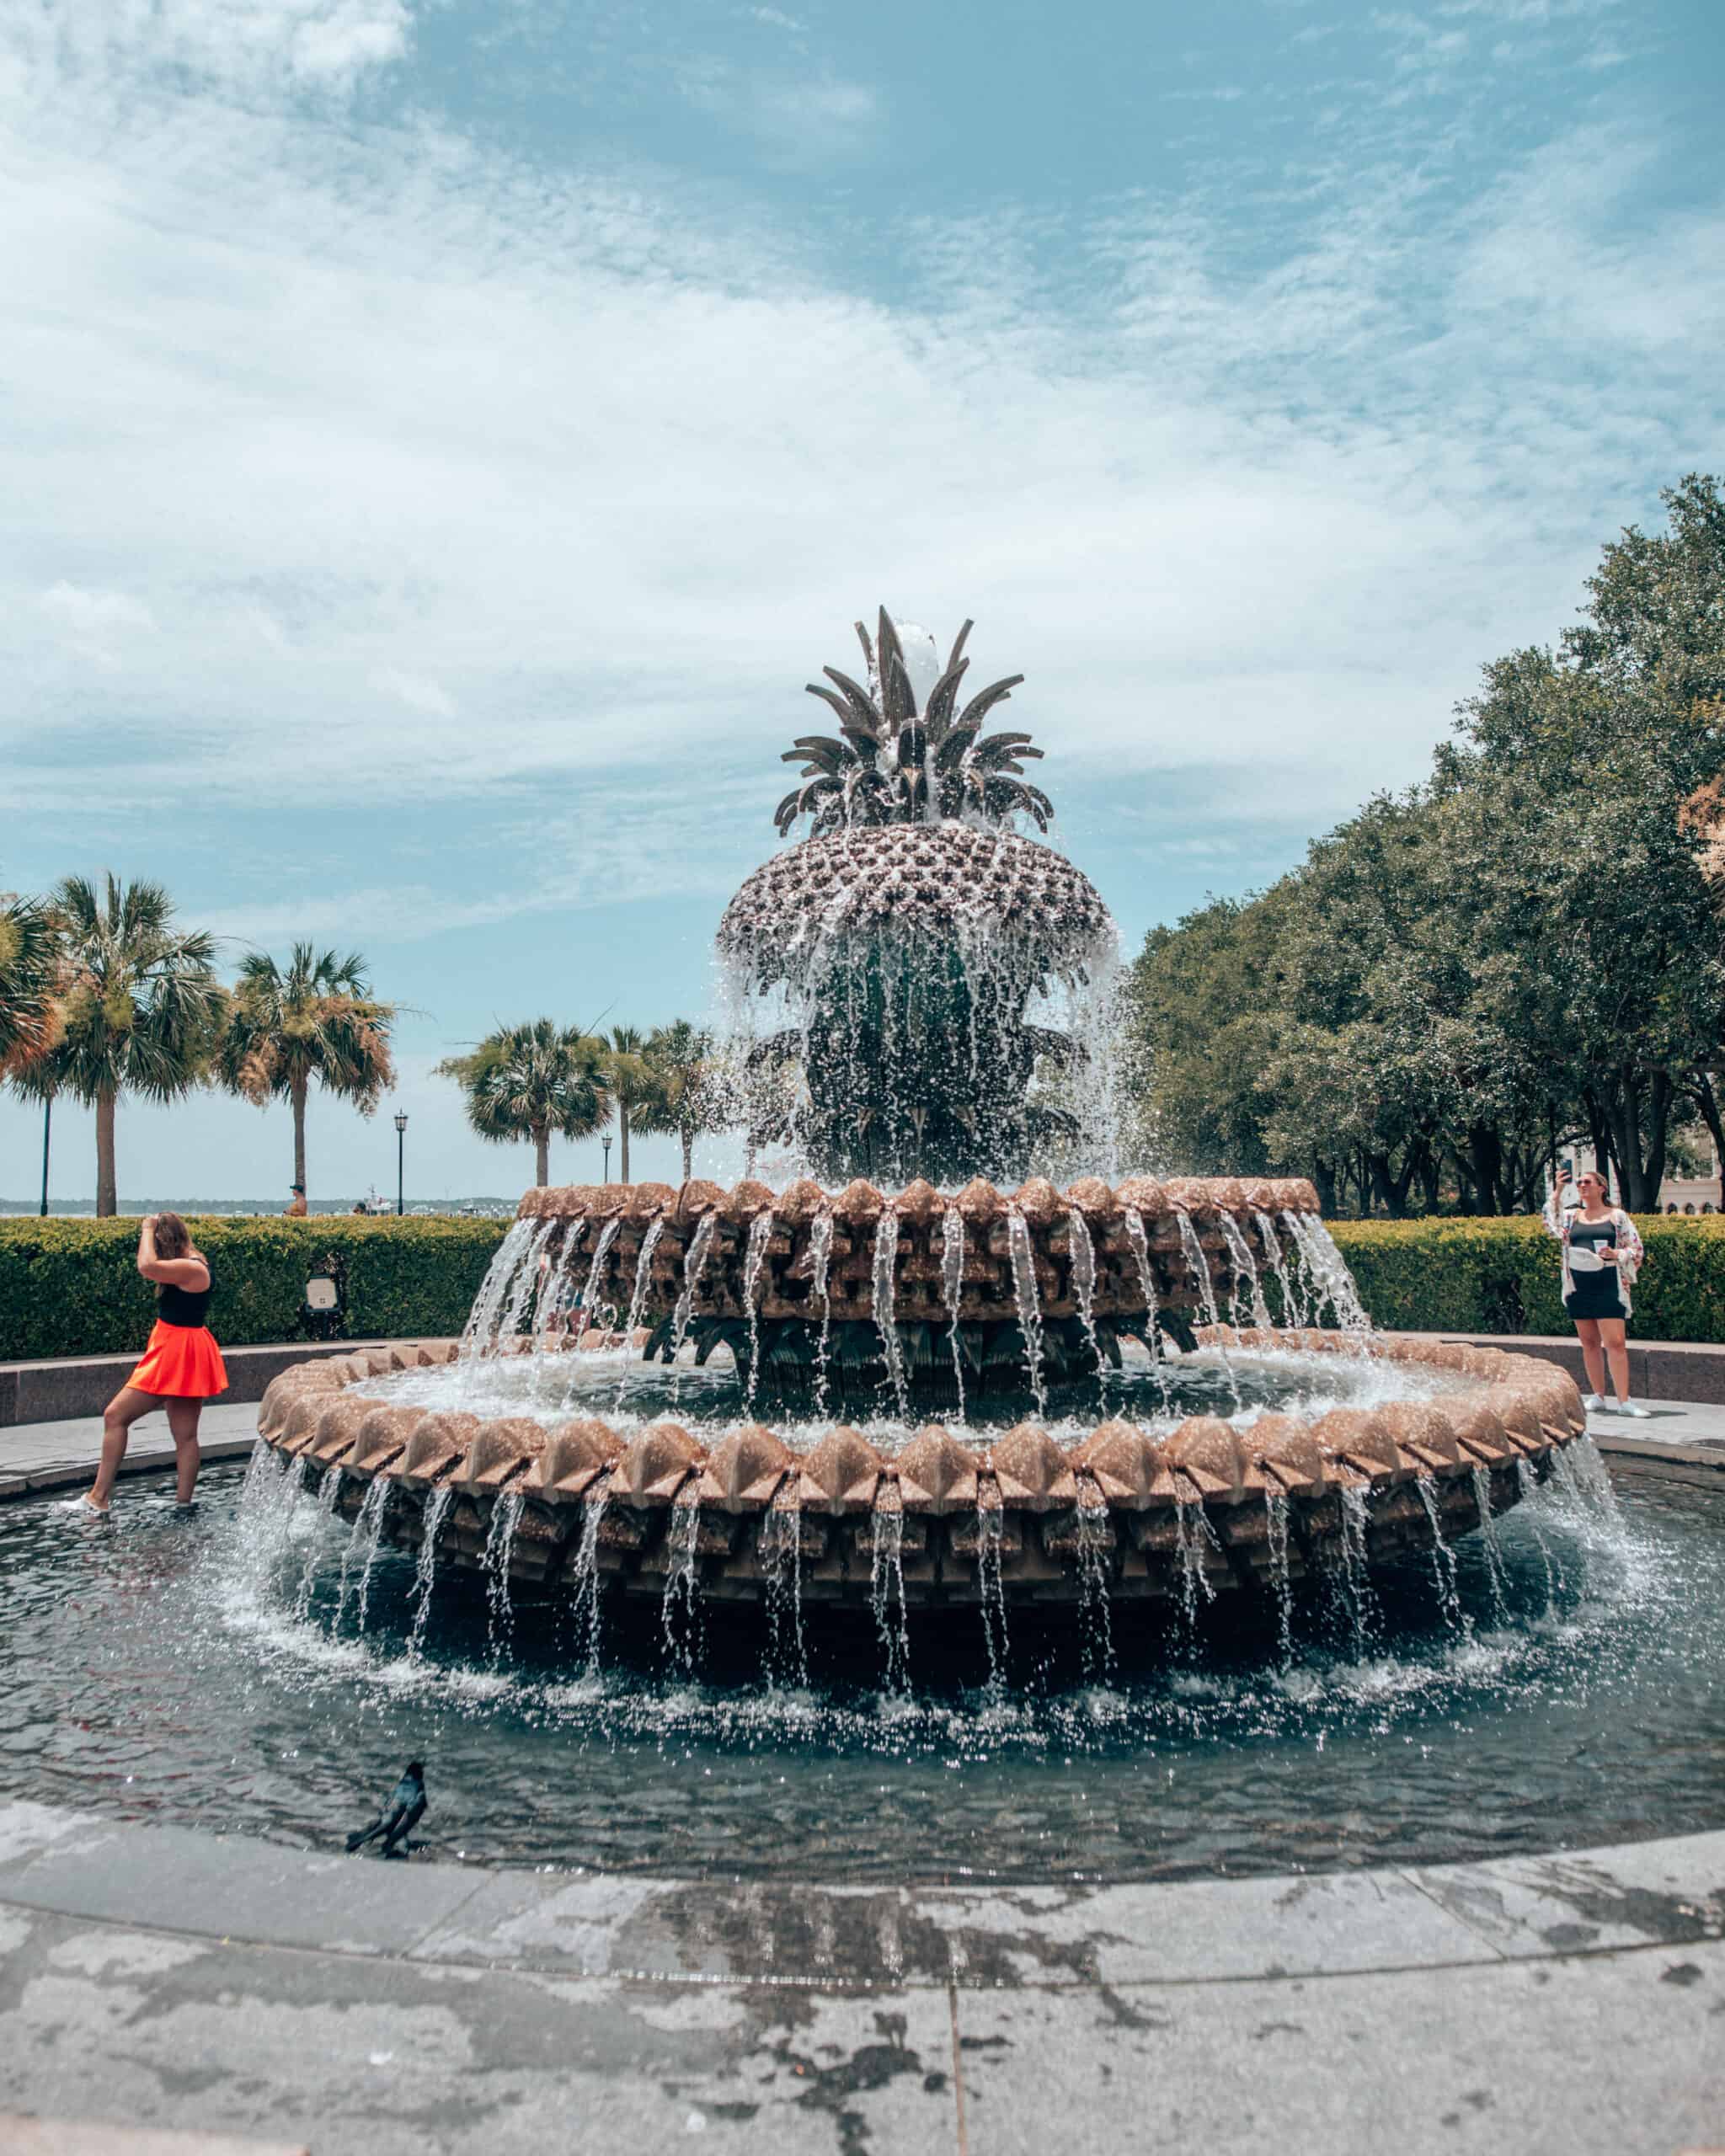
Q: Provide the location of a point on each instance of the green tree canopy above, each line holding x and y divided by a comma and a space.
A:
687, 1096
141, 1007
315, 1017
529, 1080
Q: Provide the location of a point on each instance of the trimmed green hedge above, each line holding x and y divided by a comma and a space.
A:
72, 1287
1502, 1276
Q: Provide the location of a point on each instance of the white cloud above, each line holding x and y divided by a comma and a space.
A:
249, 45
91, 625
413, 691
439, 475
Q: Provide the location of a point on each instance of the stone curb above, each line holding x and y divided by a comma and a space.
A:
1659, 1894
62, 1387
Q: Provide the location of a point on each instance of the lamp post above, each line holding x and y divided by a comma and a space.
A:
606, 1142
401, 1140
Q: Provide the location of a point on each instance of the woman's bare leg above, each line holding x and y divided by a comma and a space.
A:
1611, 1332
1587, 1331
183, 1421
127, 1405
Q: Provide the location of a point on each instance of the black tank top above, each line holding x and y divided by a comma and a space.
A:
177, 1305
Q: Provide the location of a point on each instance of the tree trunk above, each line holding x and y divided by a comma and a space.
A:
1652, 1170
1707, 1101
542, 1155
107, 1192
688, 1137
297, 1095
1487, 1153
1323, 1176
623, 1137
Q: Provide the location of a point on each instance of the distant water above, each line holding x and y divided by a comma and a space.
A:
84, 1208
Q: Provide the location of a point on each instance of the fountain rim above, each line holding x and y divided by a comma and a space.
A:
1519, 1408
979, 1203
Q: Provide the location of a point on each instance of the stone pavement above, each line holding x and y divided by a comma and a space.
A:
55, 1455
1568, 2004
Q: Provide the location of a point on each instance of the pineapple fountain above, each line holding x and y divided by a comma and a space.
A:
959, 1383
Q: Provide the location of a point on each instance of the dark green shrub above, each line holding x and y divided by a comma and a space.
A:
72, 1287
1502, 1276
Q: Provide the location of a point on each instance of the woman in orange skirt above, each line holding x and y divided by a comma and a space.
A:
182, 1366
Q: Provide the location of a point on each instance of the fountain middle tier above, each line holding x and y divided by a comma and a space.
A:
825, 1294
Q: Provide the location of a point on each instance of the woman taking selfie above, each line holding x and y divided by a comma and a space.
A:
182, 1365
1602, 1255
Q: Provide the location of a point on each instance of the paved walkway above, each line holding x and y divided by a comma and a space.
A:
55, 1455
1560, 2006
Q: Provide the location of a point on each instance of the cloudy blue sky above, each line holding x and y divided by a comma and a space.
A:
442, 436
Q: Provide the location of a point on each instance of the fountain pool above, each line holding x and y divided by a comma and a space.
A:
1571, 1691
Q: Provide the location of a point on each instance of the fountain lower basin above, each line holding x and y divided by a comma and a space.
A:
1127, 1510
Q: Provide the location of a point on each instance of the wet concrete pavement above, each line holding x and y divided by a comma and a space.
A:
164, 1977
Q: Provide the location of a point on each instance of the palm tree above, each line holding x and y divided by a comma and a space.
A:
527, 1081
30, 982
141, 1007
634, 1083
317, 1018
686, 1097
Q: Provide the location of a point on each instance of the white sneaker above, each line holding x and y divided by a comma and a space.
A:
1635, 1408
1593, 1403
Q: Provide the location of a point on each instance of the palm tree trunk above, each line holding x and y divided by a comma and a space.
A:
688, 1156
542, 1155
107, 1191
299, 1128
622, 1127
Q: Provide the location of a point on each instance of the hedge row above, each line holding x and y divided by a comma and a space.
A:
72, 1287
1502, 1276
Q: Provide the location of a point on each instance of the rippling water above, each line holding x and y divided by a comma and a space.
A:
211, 1672
626, 1392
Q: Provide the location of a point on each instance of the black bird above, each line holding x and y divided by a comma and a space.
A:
402, 1809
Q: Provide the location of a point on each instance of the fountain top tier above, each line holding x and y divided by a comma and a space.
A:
979, 1203
940, 980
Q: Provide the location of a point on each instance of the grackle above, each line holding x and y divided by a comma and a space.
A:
402, 1809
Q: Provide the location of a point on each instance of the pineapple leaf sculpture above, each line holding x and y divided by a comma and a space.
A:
892, 764
908, 933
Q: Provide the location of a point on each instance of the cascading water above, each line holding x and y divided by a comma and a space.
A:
754, 1258
528, 1281
952, 1287
820, 1286
437, 1505
1029, 1307
991, 1592
886, 1588
325, 1509
679, 1612
482, 1317
1444, 1567
1292, 1305
1327, 1273
883, 1286
694, 1267
362, 1545
638, 1298
499, 1543
1083, 1255
1245, 1268
1276, 1538
1196, 1260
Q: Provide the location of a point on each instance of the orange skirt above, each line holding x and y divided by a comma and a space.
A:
181, 1362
